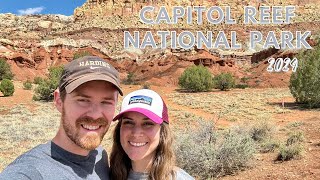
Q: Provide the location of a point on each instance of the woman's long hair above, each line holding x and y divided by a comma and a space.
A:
163, 164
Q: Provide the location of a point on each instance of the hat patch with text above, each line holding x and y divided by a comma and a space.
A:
140, 99
94, 63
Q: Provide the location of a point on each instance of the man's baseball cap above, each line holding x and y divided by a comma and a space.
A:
146, 102
85, 69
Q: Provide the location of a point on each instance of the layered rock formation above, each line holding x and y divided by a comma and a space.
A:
31, 44
93, 9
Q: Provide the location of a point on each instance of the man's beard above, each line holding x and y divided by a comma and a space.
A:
89, 141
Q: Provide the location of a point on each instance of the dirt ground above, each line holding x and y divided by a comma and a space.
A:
264, 166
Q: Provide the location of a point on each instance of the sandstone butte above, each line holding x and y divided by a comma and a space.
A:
31, 44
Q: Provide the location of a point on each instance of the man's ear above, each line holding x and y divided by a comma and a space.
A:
57, 100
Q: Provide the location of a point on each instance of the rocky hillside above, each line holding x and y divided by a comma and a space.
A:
31, 44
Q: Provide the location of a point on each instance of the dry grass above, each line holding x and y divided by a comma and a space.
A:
235, 105
21, 130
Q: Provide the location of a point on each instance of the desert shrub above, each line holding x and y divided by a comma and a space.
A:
236, 150
295, 137
27, 85
196, 79
305, 82
290, 152
295, 124
269, 146
38, 80
205, 153
55, 73
242, 86
5, 70
130, 79
7, 87
261, 131
243, 83
293, 147
44, 91
146, 86
81, 54
244, 80
224, 81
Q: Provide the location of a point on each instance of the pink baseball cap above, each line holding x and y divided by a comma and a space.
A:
146, 102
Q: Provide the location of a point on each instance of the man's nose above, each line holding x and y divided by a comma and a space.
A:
95, 111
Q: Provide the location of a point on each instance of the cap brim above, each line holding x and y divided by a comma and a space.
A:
152, 116
91, 77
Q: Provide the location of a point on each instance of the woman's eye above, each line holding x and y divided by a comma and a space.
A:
148, 124
127, 122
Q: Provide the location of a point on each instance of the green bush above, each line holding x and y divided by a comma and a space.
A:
38, 80
224, 81
7, 87
130, 79
196, 79
305, 82
44, 91
294, 138
206, 153
244, 80
242, 86
243, 83
27, 85
55, 72
290, 152
5, 70
81, 54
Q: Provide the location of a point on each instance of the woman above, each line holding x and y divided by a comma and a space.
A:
142, 140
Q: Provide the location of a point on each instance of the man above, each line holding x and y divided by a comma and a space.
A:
87, 97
